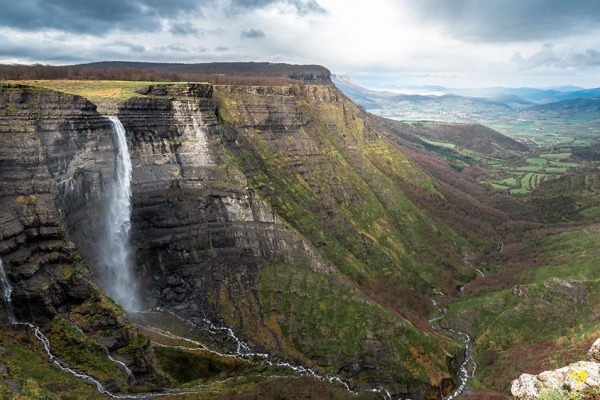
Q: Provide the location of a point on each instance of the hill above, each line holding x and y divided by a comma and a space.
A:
307, 73
447, 107
591, 104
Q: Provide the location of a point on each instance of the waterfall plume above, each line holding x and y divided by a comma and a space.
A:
7, 291
115, 251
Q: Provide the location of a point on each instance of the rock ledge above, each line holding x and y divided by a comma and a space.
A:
573, 378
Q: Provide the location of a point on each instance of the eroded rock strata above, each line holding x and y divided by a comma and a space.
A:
266, 209
56, 157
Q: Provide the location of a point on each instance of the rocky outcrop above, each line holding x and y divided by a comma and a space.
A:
573, 378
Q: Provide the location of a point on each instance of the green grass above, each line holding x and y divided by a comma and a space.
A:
537, 161
323, 316
81, 352
565, 164
529, 168
38, 378
95, 90
440, 144
551, 323
556, 156
193, 367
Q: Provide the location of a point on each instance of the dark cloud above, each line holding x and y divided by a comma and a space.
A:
222, 48
177, 47
98, 17
252, 34
548, 56
590, 58
93, 17
185, 29
216, 32
302, 7
136, 48
510, 20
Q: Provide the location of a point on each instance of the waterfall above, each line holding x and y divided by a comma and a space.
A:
114, 249
7, 291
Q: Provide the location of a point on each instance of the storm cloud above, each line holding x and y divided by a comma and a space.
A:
509, 20
101, 17
548, 56
252, 34
92, 17
302, 7
453, 43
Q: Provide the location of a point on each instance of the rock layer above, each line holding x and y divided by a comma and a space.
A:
55, 159
242, 205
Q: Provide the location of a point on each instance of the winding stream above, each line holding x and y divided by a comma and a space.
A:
464, 373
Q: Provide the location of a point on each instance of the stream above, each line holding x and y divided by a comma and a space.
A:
464, 373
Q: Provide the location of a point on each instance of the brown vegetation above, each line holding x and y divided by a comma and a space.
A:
399, 299
300, 388
229, 74
495, 281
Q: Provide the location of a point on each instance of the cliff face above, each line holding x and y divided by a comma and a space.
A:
55, 158
276, 210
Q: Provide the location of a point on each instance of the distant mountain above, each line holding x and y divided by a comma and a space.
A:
360, 95
566, 89
499, 93
531, 94
511, 99
570, 105
587, 93
447, 107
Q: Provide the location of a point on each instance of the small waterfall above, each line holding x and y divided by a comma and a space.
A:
7, 291
466, 260
114, 249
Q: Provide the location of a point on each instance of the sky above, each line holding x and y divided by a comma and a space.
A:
378, 43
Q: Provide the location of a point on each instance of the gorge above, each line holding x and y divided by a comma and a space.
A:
207, 244
273, 233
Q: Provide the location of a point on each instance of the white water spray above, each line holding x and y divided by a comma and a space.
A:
114, 249
7, 291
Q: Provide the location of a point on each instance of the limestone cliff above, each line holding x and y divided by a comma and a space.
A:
278, 211
55, 158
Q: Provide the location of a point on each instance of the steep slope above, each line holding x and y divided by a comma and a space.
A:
286, 213
208, 243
